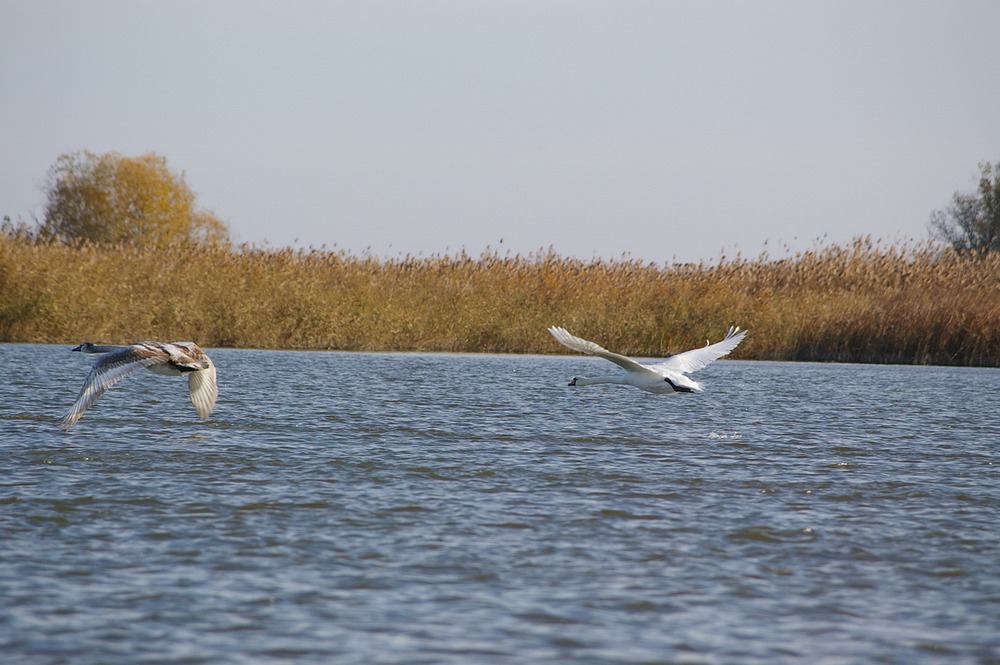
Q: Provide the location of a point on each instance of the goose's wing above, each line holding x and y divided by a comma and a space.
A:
695, 359
202, 385
591, 349
203, 389
109, 370
186, 356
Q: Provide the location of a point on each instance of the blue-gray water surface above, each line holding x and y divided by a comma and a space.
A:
410, 508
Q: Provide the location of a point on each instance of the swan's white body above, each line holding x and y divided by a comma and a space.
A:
159, 357
667, 376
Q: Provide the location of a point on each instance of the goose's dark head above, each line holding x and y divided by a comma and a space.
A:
87, 347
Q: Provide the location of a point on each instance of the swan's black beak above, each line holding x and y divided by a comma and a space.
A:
572, 383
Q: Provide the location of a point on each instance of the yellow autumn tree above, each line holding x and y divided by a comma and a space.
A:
110, 198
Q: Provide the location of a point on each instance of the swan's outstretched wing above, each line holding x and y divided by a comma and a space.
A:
106, 372
695, 359
591, 349
204, 390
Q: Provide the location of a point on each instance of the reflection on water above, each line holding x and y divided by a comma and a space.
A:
453, 508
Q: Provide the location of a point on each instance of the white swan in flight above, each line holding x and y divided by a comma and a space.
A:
667, 376
160, 357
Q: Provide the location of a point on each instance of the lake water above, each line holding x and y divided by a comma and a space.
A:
396, 508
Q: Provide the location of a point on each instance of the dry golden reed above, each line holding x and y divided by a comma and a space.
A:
865, 302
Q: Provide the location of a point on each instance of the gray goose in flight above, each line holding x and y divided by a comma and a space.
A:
117, 362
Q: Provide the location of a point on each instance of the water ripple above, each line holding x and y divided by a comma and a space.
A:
793, 512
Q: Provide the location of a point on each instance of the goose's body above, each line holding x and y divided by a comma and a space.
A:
666, 376
159, 357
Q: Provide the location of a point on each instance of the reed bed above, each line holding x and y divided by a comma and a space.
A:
864, 302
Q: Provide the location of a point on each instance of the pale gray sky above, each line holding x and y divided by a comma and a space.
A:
664, 130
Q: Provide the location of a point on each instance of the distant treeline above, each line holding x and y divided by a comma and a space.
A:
865, 302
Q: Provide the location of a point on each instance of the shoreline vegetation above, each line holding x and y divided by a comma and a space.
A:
861, 302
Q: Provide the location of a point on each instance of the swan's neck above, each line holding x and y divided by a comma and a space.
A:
590, 381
